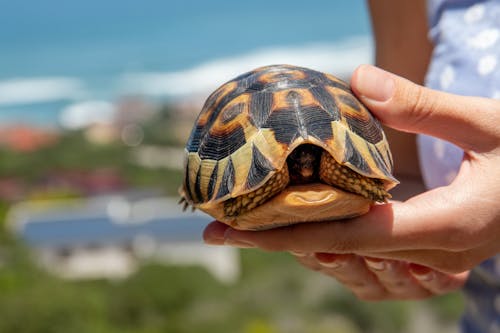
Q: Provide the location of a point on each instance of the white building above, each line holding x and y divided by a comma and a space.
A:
109, 236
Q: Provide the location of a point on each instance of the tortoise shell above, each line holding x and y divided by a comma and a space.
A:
249, 126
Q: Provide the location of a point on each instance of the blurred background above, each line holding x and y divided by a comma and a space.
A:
97, 99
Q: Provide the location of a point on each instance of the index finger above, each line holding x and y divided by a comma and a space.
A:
469, 122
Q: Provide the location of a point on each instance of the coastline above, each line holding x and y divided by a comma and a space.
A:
39, 101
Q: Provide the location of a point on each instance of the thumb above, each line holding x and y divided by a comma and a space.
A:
469, 122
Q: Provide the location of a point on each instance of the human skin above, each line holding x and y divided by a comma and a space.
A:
402, 47
422, 246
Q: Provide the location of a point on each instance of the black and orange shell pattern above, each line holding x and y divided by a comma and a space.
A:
249, 126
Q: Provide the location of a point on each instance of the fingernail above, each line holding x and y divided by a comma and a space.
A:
331, 264
374, 83
424, 277
298, 254
230, 240
377, 265
238, 243
328, 260
422, 273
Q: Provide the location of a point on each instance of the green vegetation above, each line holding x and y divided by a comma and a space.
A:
74, 153
273, 295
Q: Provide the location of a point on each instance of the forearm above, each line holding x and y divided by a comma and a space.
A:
402, 47
400, 31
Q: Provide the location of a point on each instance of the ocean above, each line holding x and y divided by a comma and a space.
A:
56, 54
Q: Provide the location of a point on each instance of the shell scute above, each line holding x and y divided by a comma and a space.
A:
248, 127
260, 167
326, 100
260, 107
227, 181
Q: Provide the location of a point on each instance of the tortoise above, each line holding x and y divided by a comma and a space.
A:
283, 144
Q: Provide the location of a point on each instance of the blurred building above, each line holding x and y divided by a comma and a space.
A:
25, 138
84, 182
12, 189
149, 156
109, 236
133, 110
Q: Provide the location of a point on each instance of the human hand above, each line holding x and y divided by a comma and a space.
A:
375, 279
449, 229
368, 278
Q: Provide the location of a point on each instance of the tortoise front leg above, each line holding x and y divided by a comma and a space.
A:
333, 173
243, 203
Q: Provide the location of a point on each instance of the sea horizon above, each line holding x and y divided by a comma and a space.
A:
191, 50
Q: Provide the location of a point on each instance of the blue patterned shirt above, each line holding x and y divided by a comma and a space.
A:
466, 61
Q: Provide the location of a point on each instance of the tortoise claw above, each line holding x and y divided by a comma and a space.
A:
185, 204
